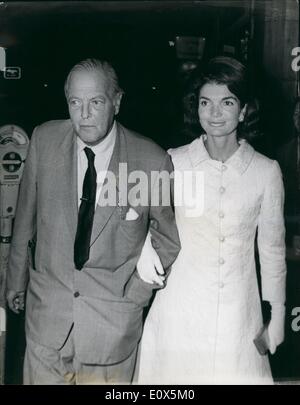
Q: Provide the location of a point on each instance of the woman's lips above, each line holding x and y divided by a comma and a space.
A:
217, 124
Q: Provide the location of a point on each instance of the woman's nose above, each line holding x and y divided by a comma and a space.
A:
216, 111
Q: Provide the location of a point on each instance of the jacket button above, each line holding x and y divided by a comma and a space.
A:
154, 224
76, 294
221, 214
221, 238
221, 285
222, 190
154, 244
221, 260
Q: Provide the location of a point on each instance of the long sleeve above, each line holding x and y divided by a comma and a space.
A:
271, 238
163, 230
163, 227
25, 222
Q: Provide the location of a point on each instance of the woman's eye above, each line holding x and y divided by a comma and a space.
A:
203, 103
228, 103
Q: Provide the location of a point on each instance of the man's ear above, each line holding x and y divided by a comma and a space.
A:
243, 113
117, 102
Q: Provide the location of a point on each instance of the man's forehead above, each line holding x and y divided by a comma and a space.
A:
87, 80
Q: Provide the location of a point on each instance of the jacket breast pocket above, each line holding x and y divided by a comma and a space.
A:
133, 228
127, 223
119, 244
131, 233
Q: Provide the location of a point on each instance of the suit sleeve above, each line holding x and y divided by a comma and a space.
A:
271, 238
25, 222
163, 229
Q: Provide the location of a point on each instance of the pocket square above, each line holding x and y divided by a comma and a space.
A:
131, 215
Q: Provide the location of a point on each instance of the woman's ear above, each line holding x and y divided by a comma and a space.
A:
242, 113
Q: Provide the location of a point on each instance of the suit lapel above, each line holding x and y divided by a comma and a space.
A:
103, 213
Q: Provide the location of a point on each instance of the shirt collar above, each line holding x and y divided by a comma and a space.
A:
102, 147
239, 161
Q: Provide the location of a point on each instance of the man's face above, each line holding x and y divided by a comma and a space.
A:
92, 105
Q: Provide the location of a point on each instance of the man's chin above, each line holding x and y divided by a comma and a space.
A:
90, 138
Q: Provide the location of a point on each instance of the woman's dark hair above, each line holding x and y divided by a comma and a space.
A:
233, 74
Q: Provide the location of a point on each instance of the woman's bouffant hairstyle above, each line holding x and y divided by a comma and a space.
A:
230, 72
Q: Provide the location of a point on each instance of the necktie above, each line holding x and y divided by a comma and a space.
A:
86, 213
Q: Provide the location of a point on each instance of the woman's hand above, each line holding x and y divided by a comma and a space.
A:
149, 265
276, 326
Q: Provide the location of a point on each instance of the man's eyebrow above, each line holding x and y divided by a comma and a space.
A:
98, 96
92, 98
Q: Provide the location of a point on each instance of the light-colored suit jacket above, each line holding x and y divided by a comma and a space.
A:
104, 301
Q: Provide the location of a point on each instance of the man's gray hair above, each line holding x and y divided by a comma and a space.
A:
102, 67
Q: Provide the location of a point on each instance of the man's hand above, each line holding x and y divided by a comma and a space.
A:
276, 326
15, 300
149, 265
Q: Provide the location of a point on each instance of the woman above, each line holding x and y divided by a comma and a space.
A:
201, 327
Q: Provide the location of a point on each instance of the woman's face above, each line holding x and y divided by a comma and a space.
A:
219, 110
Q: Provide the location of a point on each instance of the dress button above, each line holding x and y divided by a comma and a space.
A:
221, 214
76, 294
221, 238
221, 285
224, 167
222, 190
221, 260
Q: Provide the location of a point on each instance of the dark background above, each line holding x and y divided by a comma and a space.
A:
46, 39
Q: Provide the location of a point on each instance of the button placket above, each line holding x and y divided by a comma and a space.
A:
221, 238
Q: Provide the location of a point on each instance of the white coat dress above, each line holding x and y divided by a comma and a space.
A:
201, 326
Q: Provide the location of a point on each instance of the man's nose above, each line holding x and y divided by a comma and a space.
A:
85, 110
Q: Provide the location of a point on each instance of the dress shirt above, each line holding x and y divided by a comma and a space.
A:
103, 153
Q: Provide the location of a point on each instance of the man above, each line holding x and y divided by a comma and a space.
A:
85, 297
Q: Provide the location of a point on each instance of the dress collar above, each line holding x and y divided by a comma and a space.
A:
239, 161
